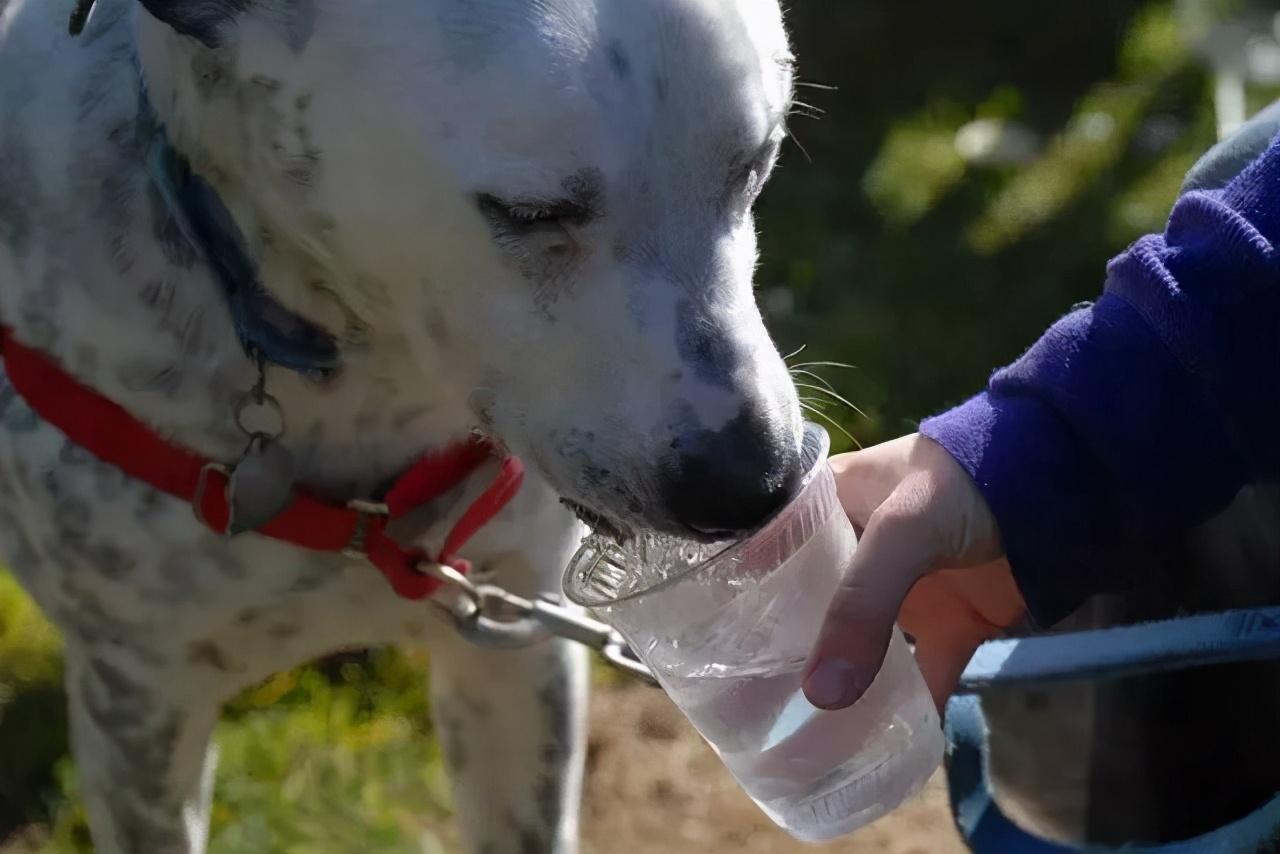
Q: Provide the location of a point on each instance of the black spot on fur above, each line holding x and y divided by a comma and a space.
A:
661, 87
226, 563
208, 654
704, 349
73, 455
210, 73
585, 189
73, 521
112, 678
301, 24
16, 418
619, 63
148, 504
113, 562
282, 631
18, 188
7, 397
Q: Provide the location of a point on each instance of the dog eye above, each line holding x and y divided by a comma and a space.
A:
750, 178
530, 216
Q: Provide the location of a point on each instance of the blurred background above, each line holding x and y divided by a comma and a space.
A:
959, 176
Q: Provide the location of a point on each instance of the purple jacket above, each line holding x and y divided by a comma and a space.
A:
1136, 418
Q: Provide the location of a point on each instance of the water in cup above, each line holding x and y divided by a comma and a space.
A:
728, 637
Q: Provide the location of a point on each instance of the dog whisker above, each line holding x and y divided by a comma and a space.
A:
836, 396
844, 365
837, 425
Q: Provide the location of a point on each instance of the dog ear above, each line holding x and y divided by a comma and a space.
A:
202, 20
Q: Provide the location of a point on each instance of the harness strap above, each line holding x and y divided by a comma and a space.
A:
114, 436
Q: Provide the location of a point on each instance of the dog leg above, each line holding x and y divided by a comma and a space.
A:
142, 752
513, 729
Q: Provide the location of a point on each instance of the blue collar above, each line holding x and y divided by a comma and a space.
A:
269, 332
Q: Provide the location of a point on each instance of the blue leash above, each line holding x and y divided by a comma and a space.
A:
1232, 636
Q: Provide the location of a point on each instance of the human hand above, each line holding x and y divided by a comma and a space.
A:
929, 557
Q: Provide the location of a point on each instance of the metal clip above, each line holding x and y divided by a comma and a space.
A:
449, 576
366, 512
620, 657
489, 616
202, 486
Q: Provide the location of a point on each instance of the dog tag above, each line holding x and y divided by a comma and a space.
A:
261, 485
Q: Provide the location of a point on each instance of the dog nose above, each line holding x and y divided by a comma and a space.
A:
726, 483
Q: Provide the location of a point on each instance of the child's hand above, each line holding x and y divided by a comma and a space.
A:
929, 557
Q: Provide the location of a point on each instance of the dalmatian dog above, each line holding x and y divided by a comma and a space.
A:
415, 221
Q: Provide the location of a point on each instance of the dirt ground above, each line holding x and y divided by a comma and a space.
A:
654, 787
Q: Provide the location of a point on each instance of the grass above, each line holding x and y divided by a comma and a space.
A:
335, 758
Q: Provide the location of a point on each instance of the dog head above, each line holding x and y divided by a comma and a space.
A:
548, 200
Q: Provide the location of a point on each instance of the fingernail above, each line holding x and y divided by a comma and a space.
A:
833, 684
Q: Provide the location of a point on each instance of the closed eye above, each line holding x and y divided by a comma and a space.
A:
749, 178
531, 216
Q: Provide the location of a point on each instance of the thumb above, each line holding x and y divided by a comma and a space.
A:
895, 551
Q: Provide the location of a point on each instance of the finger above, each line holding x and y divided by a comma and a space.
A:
864, 479
942, 661
895, 551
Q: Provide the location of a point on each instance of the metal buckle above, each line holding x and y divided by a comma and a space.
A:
202, 486
366, 512
450, 577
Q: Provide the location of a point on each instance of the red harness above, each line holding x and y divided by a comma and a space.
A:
114, 436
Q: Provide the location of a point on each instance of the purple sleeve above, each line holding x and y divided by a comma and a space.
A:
1135, 419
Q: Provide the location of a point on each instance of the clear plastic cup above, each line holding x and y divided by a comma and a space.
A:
728, 637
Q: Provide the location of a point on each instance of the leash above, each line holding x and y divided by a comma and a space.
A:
1117, 653
485, 615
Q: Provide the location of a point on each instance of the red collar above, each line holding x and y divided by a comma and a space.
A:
114, 436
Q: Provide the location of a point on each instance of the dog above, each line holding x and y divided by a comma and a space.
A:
407, 222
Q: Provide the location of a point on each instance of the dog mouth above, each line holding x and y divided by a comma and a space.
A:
621, 532
599, 523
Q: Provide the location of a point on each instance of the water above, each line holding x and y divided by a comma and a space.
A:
732, 656
816, 773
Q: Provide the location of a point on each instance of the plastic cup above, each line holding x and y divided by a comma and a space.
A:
728, 639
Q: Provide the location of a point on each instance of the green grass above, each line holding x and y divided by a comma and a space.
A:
331, 758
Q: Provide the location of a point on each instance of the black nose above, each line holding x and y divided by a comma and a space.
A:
726, 483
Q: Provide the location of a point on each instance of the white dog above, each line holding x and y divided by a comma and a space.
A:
527, 218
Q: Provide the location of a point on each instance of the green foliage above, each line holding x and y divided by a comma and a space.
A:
917, 165
926, 272
1097, 136
339, 765
33, 734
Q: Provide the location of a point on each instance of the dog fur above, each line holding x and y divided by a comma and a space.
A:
529, 218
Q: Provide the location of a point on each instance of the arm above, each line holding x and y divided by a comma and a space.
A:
1133, 420
1127, 424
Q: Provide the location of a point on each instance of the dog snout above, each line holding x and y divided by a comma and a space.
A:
725, 483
